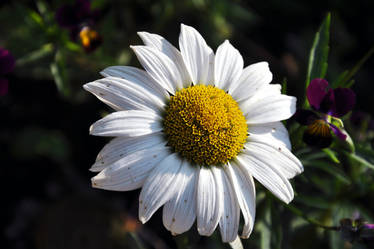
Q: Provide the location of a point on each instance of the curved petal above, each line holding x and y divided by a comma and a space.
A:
121, 147
229, 222
197, 55
245, 192
159, 67
318, 134
160, 186
179, 212
127, 123
122, 94
209, 201
253, 78
160, 43
345, 100
136, 76
270, 177
268, 109
316, 92
276, 155
274, 132
327, 104
340, 134
305, 117
228, 66
130, 172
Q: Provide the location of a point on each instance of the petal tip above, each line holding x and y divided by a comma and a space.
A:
94, 183
143, 219
91, 130
87, 86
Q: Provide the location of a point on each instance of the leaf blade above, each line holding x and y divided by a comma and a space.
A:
317, 65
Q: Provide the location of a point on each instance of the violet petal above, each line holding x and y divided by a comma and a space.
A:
338, 132
345, 99
7, 61
3, 86
318, 134
305, 117
316, 91
73, 15
369, 226
328, 103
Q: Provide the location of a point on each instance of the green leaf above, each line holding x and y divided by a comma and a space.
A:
360, 160
344, 79
42, 52
270, 225
339, 79
59, 74
314, 201
36, 17
330, 168
284, 86
72, 46
331, 155
317, 66
276, 224
365, 151
264, 227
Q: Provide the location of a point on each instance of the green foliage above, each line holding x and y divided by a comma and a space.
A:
345, 78
317, 65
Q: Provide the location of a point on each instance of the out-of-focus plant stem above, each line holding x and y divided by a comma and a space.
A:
310, 220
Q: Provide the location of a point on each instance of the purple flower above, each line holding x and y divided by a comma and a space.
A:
7, 63
71, 16
328, 106
79, 19
335, 102
357, 230
89, 38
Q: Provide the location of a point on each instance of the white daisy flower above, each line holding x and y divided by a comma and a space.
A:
192, 131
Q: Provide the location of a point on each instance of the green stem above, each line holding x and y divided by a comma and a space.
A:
312, 221
138, 242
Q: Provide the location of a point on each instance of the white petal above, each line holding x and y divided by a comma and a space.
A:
229, 222
253, 78
276, 155
244, 188
270, 177
264, 92
122, 94
120, 147
160, 43
160, 186
274, 132
197, 55
228, 66
131, 171
268, 109
209, 201
179, 213
127, 123
136, 76
159, 67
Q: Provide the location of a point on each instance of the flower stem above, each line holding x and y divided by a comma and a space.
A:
310, 220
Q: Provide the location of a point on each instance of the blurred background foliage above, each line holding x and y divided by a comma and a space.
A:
46, 149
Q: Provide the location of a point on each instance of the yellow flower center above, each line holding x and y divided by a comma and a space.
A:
205, 125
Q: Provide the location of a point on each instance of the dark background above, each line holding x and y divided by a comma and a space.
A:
47, 200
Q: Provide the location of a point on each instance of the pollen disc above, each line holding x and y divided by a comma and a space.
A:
205, 125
